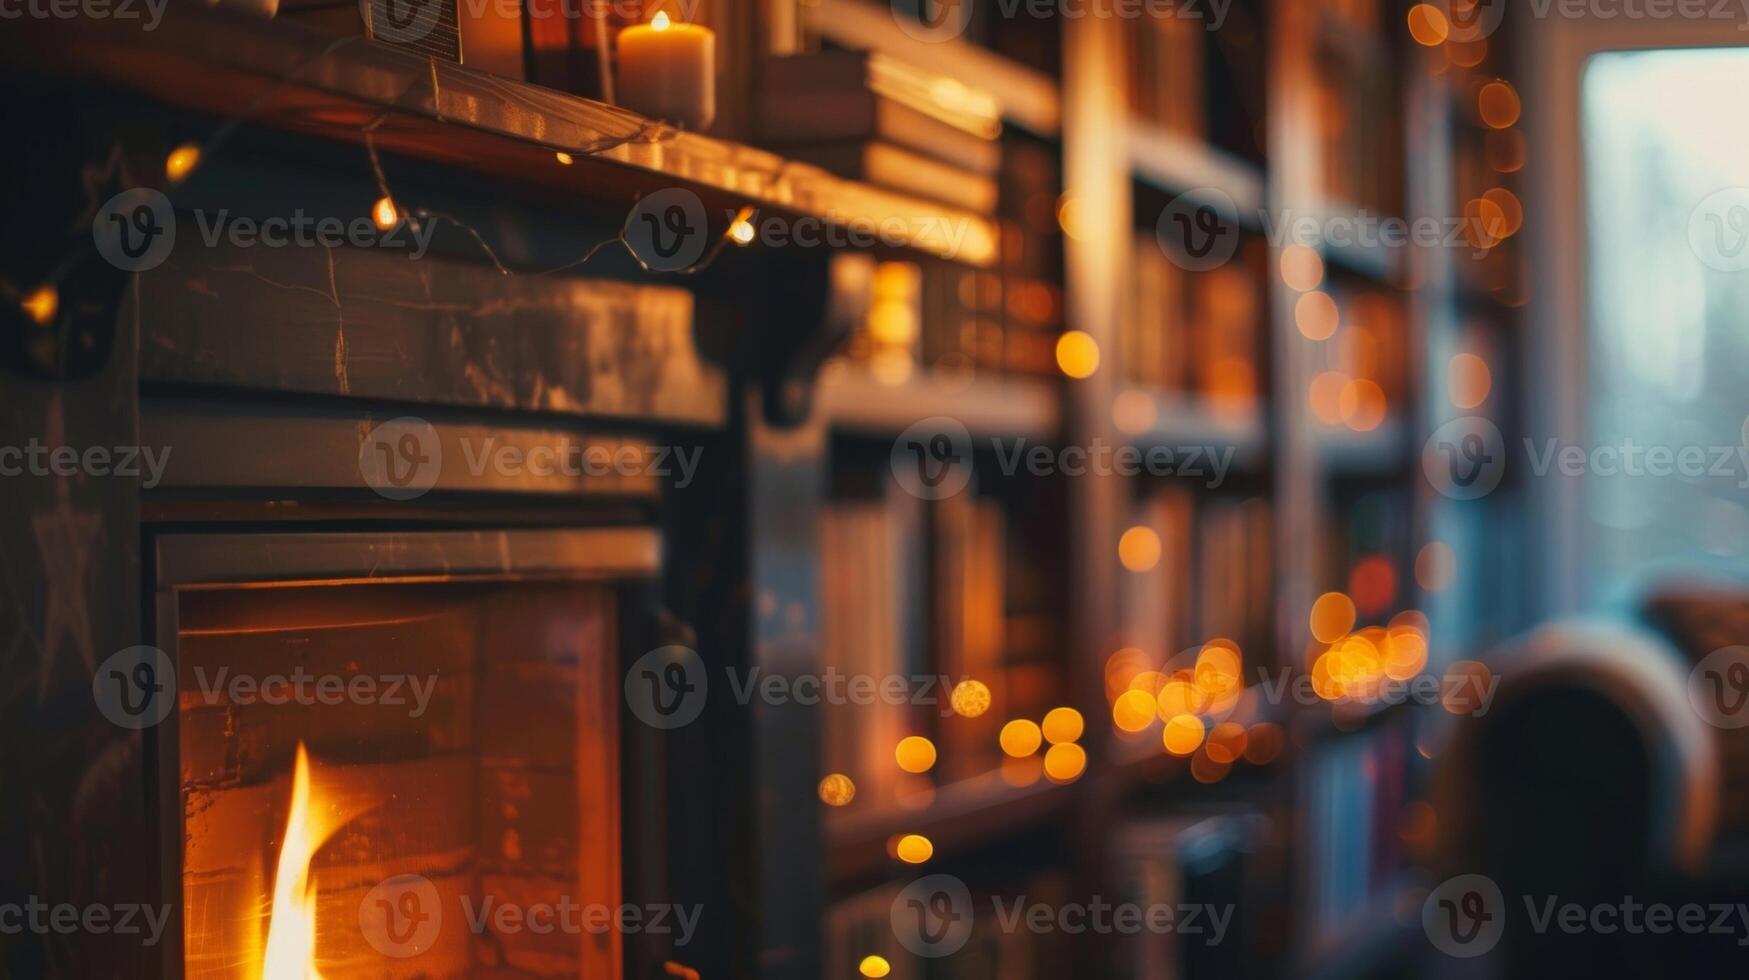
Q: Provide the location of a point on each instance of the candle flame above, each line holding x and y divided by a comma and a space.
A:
291, 936
660, 21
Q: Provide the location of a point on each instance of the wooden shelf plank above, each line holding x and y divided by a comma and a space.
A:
1184, 420
1179, 164
288, 76
958, 816
1363, 253
1028, 97
852, 400
1380, 451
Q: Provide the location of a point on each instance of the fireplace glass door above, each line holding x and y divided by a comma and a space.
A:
398, 776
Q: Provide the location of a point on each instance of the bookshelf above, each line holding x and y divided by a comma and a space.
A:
1334, 492
287, 76
1050, 578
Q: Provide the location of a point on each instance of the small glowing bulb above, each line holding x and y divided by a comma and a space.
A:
181, 162
874, 967
660, 21
837, 789
1020, 738
41, 304
564, 158
970, 699
1062, 725
914, 849
384, 214
1077, 354
915, 754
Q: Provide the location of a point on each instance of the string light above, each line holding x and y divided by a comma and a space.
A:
874, 967
181, 162
384, 214
41, 304
741, 229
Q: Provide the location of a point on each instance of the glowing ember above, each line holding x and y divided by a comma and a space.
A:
291, 937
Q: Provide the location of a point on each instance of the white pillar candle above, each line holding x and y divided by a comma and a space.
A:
669, 71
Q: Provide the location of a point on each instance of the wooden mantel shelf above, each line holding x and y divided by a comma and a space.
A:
290, 77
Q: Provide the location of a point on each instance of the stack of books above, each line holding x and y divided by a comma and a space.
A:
1213, 577
1356, 99
1168, 74
869, 117
1194, 332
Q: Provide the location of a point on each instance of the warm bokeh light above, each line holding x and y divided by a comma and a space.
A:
1148, 680
1467, 54
1226, 742
1469, 379
1428, 25
1263, 743
1182, 734
1062, 725
1484, 223
1510, 208
1134, 412
384, 214
1372, 582
181, 162
1180, 697
1219, 673
1139, 549
1302, 268
914, 849
1325, 396
1064, 763
1315, 315
564, 158
970, 698
1133, 711
1020, 738
1504, 150
1072, 217
1498, 104
1332, 617
741, 231
1435, 566
1405, 653
874, 967
915, 754
1204, 769
1363, 405
1410, 619
41, 304
1077, 354
837, 789
1122, 667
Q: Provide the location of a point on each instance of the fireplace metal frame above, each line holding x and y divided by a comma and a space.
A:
188, 561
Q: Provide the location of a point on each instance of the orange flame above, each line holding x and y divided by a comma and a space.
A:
291, 937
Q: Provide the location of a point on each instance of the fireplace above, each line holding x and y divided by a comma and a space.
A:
394, 755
